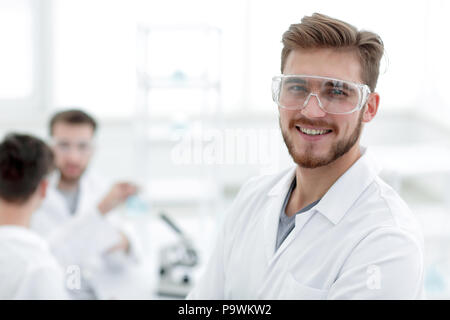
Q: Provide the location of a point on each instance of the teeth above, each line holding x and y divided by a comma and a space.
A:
312, 132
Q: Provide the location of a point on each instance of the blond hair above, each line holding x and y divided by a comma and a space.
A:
320, 31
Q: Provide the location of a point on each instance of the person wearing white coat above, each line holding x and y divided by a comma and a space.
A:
28, 270
84, 239
329, 228
76, 216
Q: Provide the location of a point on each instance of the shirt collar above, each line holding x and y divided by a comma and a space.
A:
344, 192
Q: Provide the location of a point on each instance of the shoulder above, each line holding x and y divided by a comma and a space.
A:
43, 280
94, 183
27, 251
380, 209
263, 184
254, 195
93, 178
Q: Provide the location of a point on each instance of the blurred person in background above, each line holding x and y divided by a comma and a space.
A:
28, 269
76, 216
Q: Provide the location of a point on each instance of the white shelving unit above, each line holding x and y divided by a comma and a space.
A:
179, 91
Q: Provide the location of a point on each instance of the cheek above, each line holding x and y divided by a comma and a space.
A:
346, 124
285, 117
86, 158
59, 158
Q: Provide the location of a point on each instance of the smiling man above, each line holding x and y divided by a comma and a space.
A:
329, 228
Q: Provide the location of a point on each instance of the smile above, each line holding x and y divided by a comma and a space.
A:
313, 132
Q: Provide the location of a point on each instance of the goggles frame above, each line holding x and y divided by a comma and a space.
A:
363, 89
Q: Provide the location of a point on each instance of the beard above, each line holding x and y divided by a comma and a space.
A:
337, 150
70, 178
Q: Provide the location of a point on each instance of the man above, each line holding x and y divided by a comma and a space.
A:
75, 217
329, 228
28, 270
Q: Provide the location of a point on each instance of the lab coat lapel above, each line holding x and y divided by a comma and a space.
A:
86, 197
275, 201
54, 201
300, 222
92, 190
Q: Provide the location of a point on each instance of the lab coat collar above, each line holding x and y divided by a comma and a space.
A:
54, 177
22, 235
284, 184
344, 192
84, 198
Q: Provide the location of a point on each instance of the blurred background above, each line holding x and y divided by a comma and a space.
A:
181, 90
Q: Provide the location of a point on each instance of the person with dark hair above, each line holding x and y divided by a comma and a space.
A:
28, 269
76, 217
329, 227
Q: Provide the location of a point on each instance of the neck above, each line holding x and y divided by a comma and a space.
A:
68, 185
312, 184
14, 214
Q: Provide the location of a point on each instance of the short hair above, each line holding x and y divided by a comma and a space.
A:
24, 163
72, 116
320, 31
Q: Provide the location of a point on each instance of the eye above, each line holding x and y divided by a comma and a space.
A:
297, 88
63, 145
84, 146
338, 92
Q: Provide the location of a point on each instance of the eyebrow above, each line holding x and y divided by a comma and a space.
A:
294, 80
339, 84
72, 142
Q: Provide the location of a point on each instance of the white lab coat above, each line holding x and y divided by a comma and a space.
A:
359, 242
27, 268
82, 238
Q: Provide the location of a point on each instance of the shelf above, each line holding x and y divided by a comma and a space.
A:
170, 83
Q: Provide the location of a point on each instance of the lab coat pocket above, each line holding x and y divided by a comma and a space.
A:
293, 289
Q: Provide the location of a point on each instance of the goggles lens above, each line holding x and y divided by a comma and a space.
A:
333, 95
64, 146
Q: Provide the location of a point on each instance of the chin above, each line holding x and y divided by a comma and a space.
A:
312, 162
70, 177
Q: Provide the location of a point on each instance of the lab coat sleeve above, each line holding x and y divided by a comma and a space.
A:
135, 251
387, 264
210, 285
42, 283
86, 236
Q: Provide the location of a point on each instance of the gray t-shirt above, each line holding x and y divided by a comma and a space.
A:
71, 198
287, 224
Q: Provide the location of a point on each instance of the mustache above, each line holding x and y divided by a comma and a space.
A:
313, 123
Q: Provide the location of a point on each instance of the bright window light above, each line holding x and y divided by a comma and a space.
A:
16, 49
95, 61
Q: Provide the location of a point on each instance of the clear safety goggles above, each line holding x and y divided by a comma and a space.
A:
63, 146
334, 96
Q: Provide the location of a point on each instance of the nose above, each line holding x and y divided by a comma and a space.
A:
312, 107
73, 155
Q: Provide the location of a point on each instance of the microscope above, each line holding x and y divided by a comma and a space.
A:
176, 264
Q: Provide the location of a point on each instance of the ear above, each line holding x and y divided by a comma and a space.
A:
42, 188
371, 107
